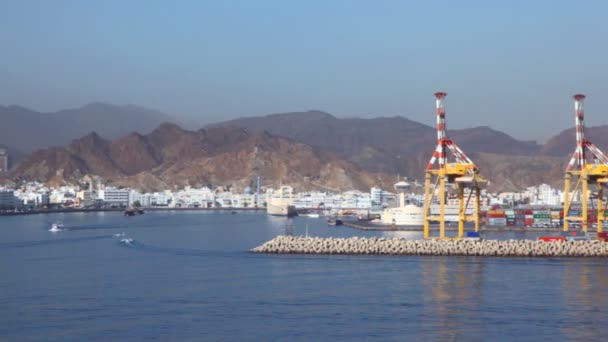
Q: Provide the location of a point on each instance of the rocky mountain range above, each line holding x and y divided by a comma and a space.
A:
399, 145
172, 157
362, 152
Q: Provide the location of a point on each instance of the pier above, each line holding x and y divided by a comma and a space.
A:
433, 247
366, 225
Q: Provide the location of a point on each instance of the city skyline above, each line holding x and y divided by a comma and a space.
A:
209, 61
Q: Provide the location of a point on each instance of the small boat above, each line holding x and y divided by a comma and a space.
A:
334, 222
56, 227
133, 211
313, 215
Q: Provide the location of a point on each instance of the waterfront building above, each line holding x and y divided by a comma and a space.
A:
8, 201
114, 197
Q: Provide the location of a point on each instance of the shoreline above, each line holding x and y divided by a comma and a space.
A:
55, 211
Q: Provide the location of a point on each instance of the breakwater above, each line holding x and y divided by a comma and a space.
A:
465, 247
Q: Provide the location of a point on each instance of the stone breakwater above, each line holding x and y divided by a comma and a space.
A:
396, 246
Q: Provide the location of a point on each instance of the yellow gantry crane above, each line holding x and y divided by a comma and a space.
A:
585, 173
462, 174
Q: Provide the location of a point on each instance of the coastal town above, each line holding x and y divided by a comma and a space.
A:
32, 196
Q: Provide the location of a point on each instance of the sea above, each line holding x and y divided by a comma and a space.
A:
188, 276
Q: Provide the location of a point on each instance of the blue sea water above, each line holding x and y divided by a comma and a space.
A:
188, 276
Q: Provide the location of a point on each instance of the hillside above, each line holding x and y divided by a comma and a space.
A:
396, 134
383, 147
397, 145
563, 143
170, 156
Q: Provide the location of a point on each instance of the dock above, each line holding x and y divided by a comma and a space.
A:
368, 226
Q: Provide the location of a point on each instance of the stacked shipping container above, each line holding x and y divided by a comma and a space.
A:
534, 218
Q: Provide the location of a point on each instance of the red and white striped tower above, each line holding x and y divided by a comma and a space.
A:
586, 175
441, 136
443, 142
578, 158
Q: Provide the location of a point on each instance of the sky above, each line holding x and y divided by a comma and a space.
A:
511, 65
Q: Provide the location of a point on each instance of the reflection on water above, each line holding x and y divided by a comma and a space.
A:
583, 287
403, 235
282, 225
451, 293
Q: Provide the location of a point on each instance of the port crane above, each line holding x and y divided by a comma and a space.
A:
460, 174
586, 173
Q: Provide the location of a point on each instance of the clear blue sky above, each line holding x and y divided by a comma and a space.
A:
512, 65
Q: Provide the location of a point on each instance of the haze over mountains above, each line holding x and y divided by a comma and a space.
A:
363, 149
25, 130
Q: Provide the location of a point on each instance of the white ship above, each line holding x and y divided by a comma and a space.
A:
407, 214
280, 202
451, 211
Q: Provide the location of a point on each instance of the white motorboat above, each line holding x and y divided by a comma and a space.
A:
56, 227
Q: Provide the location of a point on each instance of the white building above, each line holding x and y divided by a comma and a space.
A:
114, 196
192, 197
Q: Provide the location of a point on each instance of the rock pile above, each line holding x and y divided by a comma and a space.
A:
396, 246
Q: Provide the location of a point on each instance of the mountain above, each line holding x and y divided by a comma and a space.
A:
27, 130
393, 145
563, 144
381, 146
398, 134
170, 156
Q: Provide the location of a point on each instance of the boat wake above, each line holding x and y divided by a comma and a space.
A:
131, 243
127, 241
94, 227
23, 244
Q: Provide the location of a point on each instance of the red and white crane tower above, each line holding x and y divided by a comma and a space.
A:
586, 173
462, 173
